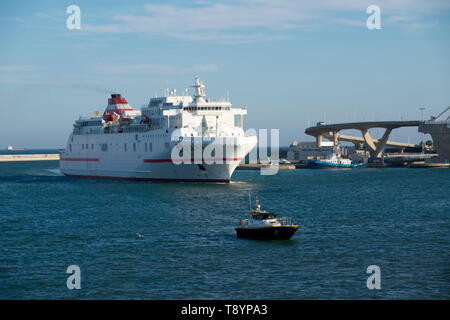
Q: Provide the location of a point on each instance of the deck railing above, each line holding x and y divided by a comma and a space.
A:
285, 221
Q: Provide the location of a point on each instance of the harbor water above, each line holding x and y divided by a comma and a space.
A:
148, 240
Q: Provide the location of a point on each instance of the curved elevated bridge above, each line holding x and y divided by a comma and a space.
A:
375, 146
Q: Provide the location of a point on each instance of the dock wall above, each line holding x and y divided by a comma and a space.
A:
29, 157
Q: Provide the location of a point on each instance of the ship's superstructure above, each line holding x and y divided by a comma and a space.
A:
179, 138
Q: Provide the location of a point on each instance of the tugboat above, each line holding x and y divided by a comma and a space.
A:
263, 225
334, 160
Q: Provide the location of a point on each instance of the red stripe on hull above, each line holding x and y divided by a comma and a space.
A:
157, 160
80, 159
149, 179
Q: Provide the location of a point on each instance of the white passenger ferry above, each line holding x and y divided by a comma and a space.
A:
174, 138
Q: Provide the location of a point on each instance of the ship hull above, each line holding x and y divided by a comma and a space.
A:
165, 172
136, 164
266, 233
328, 165
148, 179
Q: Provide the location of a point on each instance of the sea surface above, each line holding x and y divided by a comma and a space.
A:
147, 240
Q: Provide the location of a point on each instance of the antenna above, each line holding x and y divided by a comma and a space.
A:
217, 127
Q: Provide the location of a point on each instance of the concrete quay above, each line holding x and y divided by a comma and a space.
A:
29, 157
424, 164
258, 166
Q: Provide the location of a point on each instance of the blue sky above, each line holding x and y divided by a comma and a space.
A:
292, 63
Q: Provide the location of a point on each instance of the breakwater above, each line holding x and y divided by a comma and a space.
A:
29, 157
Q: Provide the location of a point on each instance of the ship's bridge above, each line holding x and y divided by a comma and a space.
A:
170, 101
194, 112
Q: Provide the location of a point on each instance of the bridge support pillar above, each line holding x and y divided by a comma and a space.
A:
319, 141
376, 150
335, 139
382, 143
369, 141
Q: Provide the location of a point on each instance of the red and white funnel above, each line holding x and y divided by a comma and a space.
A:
116, 104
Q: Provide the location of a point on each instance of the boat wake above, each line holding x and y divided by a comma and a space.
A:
55, 172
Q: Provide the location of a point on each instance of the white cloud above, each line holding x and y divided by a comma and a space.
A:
238, 21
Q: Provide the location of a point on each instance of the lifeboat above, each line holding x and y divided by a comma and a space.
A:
107, 116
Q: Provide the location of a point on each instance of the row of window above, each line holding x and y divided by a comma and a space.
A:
154, 135
136, 129
95, 130
134, 147
90, 123
148, 147
86, 146
205, 108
